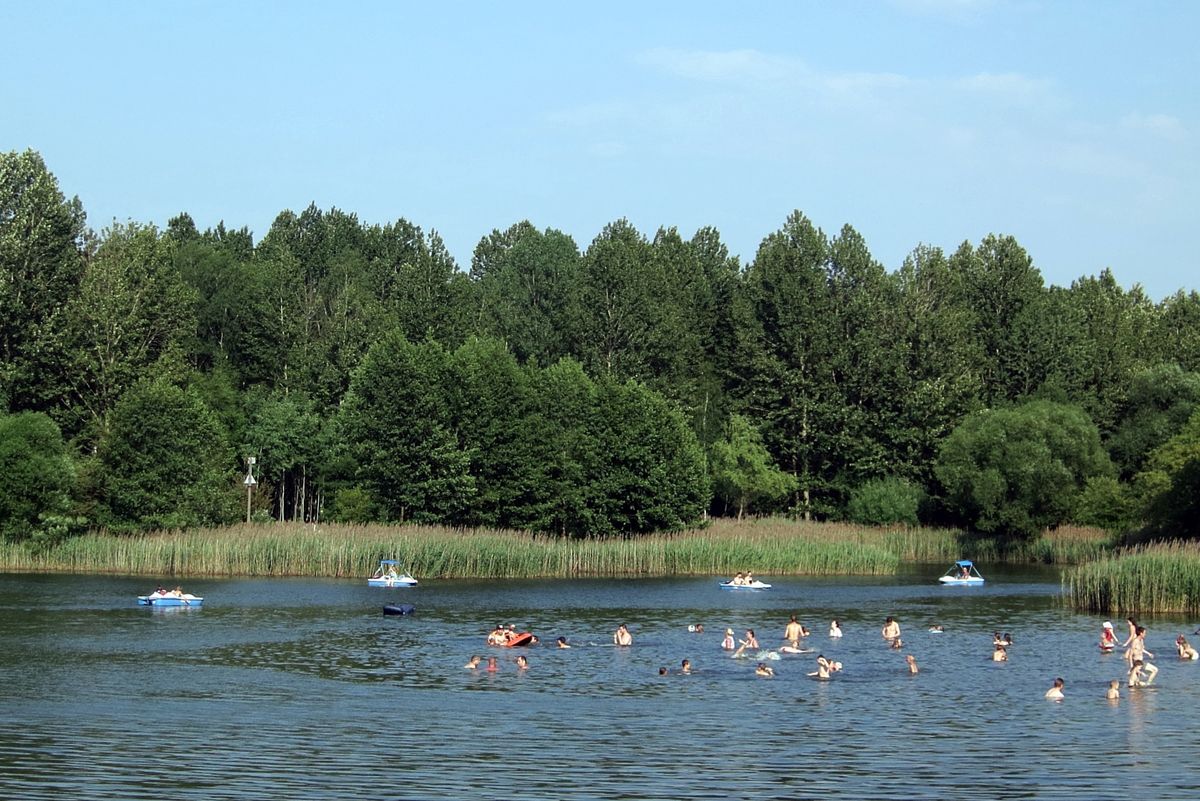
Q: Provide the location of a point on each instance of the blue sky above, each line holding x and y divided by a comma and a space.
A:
1070, 125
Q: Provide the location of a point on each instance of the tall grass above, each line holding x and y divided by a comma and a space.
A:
1159, 577
768, 546
273, 550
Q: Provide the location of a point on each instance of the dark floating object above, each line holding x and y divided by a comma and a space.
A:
399, 609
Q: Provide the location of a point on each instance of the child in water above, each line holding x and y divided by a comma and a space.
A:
1114, 690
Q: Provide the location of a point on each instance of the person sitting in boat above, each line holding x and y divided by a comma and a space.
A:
177, 592
891, 629
999, 653
739, 580
728, 643
378, 572
835, 630
160, 590
1185, 649
391, 572
762, 669
1108, 639
964, 572
1055, 693
622, 637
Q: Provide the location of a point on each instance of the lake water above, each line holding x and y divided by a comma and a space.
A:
301, 689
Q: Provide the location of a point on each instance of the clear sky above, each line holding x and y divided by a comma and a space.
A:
1072, 126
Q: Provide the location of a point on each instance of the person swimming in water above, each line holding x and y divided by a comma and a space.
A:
1114, 690
685, 666
822, 671
492, 665
561, 642
522, 662
912, 663
622, 637
835, 630
999, 653
728, 644
751, 642
763, 670
1185, 649
473, 662
1055, 693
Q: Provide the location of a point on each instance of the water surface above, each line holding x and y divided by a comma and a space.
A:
301, 689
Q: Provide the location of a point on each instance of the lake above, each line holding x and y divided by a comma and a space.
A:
301, 689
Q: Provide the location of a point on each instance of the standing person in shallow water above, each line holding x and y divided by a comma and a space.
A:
891, 629
728, 644
1055, 693
622, 636
793, 632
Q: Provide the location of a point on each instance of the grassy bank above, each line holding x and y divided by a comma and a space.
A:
1161, 577
768, 547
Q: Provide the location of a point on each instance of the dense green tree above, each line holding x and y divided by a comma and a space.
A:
165, 462
42, 242
1170, 484
39, 475
129, 320
1015, 471
287, 438
396, 418
524, 282
742, 470
885, 501
1159, 400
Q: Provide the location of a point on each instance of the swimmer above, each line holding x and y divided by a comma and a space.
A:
699, 628
1007, 639
912, 663
662, 671
997, 639
1185, 649
834, 629
763, 670
891, 629
1114, 690
522, 662
1000, 653
561, 642
937, 630
1108, 640
473, 662
728, 643
897, 644
1135, 678
822, 671
750, 642
793, 632
622, 636
685, 666
492, 665
1055, 693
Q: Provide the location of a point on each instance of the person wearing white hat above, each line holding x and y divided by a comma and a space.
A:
1108, 640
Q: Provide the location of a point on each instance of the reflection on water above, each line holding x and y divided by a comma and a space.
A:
301, 689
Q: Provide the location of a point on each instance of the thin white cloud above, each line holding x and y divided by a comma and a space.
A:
1161, 125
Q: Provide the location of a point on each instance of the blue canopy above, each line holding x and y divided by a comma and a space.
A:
964, 563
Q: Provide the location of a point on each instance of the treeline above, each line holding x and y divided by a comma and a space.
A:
630, 386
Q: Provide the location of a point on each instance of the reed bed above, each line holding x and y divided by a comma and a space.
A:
342, 551
1144, 579
770, 546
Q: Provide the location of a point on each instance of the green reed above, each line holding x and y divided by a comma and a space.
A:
1158, 577
767, 546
